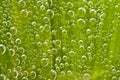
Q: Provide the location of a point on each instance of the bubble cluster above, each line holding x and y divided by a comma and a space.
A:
59, 40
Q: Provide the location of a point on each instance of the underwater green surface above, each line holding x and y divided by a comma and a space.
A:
59, 39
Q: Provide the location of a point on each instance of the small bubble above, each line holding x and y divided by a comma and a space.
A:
58, 59
23, 57
46, 19
90, 3
24, 13
61, 65
93, 12
69, 72
45, 61
3, 77
66, 64
62, 73
42, 28
21, 3
24, 78
21, 49
102, 16
42, 7
33, 74
57, 69
84, 57
50, 12
114, 78
65, 58
81, 11
64, 49
73, 41
92, 21
71, 53
81, 22
13, 30
54, 32
16, 72
88, 30
81, 41
12, 51
17, 61
34, 23
39, 43
33, 67
53, 72
71, 13
3, 50
9, 35
40, 77
18, 41
39, 2
69, 5
64, 32
86, 76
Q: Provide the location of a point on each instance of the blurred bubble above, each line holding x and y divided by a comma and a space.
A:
3, 50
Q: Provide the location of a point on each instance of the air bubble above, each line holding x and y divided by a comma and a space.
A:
66, 64
33, 74
54, 32
64, 49
45, 61
114, 78
86, 76
93, 12
71, 13
46, 19
12, 51
81, 47
53, 72
64, 32
22, 3
42, 7
81, 22
71, 53
9, 35
65, 58
24, 78
22, 50
57, 69
88, 30
39, 77
16, 72
92, 21
61, 65
69, 72
58, 59
39, 43
13, 30
3, 50
81, 41
24, 57
84, 57
50, 12
81, 11
102, 16
24, 13
18, 41
18, 61
25, 73
69, 5
62, 73
4, 77
34, 23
